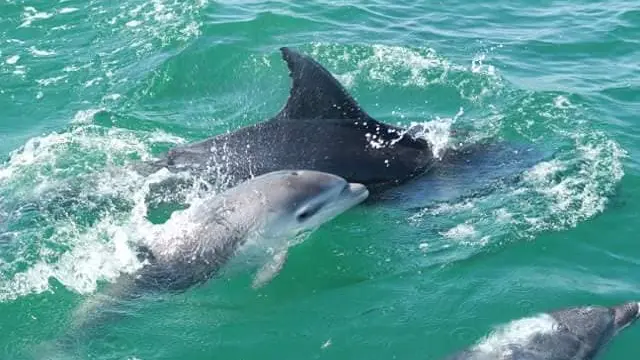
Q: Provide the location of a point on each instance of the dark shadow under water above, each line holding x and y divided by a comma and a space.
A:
476, 170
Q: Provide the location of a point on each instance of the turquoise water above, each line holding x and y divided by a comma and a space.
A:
89, 87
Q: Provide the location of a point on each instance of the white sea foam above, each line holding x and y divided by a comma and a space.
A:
389, 64
577, 189
20, 70
31, 14
85, 116
460, 232
554, 194
162, 20
100, 253
80, 163
67, 10
409, 68
437, 132
93, 81
40, 53
561, 102
51, 81
77, 255
12, 60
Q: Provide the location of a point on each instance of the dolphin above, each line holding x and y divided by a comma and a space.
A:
259, 218
577, 333
262, 216
321, 127
256, 221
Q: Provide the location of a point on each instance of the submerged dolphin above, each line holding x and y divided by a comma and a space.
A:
321, 127
578, 333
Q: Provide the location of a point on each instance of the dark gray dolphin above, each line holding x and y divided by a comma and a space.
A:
578, 333
321, 127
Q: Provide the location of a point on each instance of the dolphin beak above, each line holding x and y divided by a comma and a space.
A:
356, 191
626, 314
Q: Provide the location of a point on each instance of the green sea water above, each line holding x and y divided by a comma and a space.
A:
89, 87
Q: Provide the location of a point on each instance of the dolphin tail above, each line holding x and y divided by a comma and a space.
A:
85, 320
97, 310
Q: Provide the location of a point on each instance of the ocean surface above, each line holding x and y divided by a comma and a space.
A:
88, 88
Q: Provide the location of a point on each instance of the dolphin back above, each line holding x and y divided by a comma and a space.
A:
319, 123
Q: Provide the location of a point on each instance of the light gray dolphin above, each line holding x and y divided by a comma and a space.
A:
261, 218
578, 333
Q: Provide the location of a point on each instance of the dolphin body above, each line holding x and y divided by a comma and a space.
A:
261, 217
578, 333
321, 127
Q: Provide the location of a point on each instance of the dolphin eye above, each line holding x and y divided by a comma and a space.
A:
307, 213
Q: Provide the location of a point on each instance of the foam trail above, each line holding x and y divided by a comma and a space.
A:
114, 301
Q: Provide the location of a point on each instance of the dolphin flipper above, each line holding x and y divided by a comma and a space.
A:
270, 269
315, 93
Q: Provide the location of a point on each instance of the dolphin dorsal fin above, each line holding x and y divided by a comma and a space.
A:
315, 93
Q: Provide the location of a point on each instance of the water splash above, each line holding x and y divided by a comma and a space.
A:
87, 208
409, 68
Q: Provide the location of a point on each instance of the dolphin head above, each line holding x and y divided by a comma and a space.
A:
596, 325
625, 314
299, 201
599, 321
